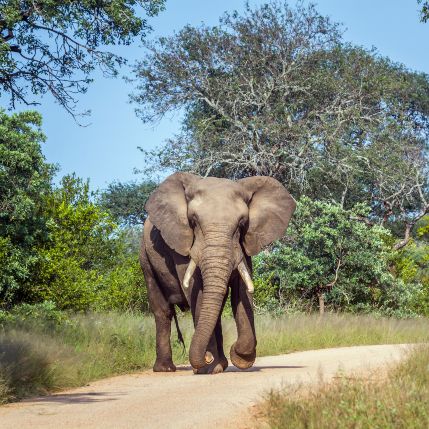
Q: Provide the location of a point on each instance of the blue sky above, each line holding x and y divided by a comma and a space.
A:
107, 151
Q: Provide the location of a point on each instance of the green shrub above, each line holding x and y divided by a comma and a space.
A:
25, 180
412, 266
329, 254
86, 264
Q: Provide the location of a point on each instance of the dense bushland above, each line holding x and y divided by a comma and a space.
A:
274, 91
331, 257
56, 242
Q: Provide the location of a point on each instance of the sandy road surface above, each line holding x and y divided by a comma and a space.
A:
183, 400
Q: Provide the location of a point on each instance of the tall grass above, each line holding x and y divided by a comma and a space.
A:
399, 400
306, 332
39, 355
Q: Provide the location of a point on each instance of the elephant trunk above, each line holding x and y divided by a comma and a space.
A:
216, 267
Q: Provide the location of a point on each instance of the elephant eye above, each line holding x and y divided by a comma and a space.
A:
242, 223
192, 219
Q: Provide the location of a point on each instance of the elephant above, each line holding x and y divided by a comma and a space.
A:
197, 244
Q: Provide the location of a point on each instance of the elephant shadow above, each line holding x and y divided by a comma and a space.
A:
256, 368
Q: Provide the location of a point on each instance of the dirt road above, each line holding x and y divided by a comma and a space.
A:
183, 400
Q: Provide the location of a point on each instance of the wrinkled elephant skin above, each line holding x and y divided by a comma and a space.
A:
197, 246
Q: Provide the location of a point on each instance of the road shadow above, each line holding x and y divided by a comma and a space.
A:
77, 398
255, 368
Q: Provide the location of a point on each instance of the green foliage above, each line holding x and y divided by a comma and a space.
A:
276, 91
32, 314
126, 201
25, 179
84, 264
53, 46
424, 13
332, 252
412, 265
398, 400
58, 244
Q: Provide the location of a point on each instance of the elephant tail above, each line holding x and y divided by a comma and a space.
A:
179, 332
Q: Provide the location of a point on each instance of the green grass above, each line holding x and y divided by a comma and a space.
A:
307, 332
40, 355
399, 400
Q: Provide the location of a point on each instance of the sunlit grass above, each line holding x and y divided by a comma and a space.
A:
306, 332
399, 399
39, 356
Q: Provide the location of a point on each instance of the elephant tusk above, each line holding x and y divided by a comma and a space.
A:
189, 273
244, 273
209, 358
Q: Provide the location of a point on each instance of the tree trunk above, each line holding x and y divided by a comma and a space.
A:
321, 297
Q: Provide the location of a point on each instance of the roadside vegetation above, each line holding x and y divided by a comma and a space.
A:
274, 90
43, 349
398, 399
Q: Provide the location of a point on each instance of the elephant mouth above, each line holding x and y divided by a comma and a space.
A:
242, 269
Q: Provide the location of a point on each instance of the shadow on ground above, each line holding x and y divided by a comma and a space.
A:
78, 398
252, 369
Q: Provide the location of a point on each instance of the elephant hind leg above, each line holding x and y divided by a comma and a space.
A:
219, 342
163, 312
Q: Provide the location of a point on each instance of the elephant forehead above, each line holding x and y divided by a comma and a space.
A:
216, 187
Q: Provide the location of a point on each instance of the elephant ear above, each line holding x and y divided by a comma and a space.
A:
270, 209
168, 211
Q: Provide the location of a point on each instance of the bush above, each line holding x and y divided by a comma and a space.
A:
412, 266
330, 255
25, 180
86, 263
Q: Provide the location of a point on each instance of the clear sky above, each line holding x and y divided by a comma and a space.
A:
107, 151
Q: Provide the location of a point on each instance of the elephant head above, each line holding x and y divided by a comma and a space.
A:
216, 222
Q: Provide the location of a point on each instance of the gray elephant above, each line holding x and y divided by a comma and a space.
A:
197, 245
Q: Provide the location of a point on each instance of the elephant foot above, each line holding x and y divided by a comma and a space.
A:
224, 362
242, 361
216, 367
164, 366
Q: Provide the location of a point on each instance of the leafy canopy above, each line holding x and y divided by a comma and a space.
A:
126, 201
424, 13
53, 46
85, 263
25, 178
276, 91
329, 251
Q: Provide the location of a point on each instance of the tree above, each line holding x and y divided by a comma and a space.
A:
126, 201
425, 10
53, 46
411, 264
25, 180
85, 265
330, 256
277, 92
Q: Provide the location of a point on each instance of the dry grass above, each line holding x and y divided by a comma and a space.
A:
399, 400
306, 332
40, 356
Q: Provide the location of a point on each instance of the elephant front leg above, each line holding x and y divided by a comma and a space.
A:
243, 351
215, 346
